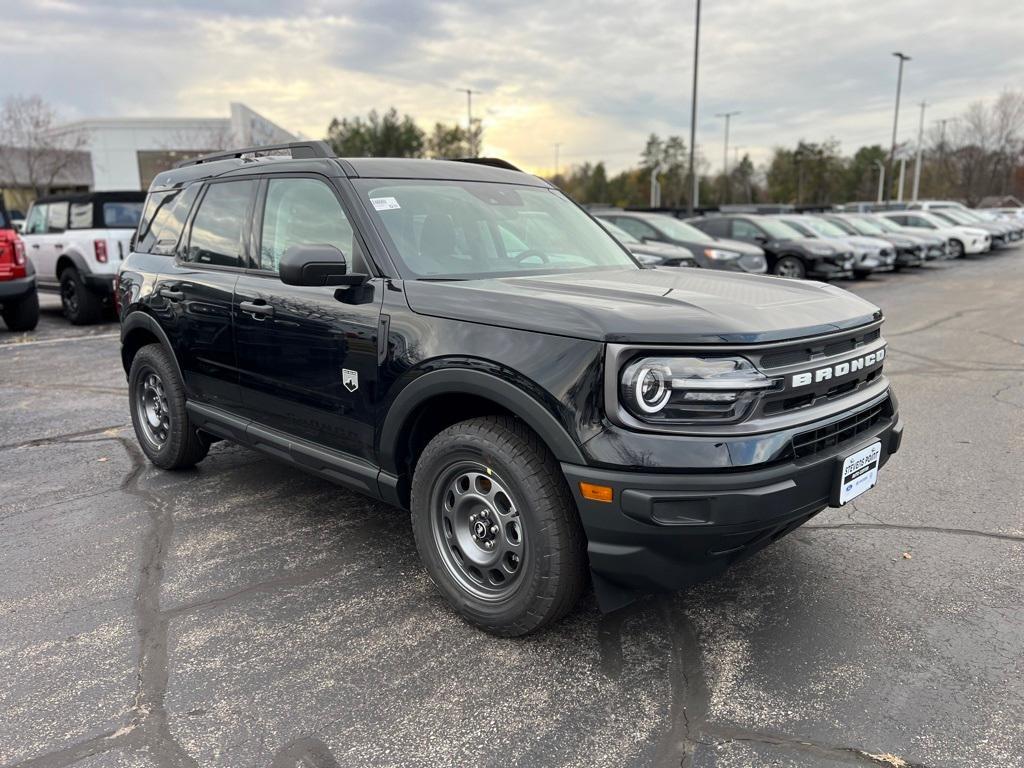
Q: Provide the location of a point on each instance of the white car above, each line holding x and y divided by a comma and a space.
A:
963, 241
76, 242
1013, 214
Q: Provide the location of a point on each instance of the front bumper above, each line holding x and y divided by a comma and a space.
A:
666, 531
100, 283
830, 268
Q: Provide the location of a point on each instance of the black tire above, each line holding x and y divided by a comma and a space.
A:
790, 266
81, 305
552, 572
957, 250
22, 315
182, 447
862, 274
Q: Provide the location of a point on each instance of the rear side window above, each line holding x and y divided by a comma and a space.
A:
217, 228
744, 230
81, 216
56, 217
165, 216
121, 215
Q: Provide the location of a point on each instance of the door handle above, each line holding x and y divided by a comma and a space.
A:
173, 294
259, 309
36, 246
58, 246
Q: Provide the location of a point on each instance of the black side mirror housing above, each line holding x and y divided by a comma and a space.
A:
316, 265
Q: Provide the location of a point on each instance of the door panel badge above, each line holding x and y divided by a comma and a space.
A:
350, 379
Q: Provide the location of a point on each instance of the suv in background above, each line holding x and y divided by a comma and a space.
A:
911, 250
870, 254
19, 303
76, 242
710, 252
651, 253
789, 253
461, 340
963, 241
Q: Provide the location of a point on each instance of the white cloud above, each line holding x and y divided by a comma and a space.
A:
596, 76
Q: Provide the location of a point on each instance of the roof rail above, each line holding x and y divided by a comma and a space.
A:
494, 162
299, 150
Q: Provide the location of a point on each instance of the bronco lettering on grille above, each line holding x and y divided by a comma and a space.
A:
838, 370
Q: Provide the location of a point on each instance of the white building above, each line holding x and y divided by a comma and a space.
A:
127, 152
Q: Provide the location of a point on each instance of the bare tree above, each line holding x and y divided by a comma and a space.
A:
33, 155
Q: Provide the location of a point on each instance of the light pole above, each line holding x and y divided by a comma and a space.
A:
473, 149
557, 146
896, 115
694, 184
725, 153
920, 147
881, 178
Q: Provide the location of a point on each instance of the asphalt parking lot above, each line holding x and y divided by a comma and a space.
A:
245, 614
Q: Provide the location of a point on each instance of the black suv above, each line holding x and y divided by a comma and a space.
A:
461, 340
790, 254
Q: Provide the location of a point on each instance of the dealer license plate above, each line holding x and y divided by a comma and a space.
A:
860, 473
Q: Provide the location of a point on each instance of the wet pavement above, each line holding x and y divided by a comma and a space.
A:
246, 614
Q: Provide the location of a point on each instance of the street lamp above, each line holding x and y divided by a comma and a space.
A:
896, 115
473, 148
725, 152
694, 184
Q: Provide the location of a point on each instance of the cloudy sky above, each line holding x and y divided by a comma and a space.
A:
595, 76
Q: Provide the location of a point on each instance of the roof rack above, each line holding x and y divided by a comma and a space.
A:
494, 162
299, 150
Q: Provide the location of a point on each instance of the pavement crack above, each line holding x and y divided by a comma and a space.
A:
690, 694
71, 754
922, 528
933, 323
66, 437
851, 755
307, 751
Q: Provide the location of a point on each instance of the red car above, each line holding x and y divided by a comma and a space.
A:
19, 303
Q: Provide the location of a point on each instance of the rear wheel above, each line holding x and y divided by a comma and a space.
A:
162, 425
22, 315
496, 527
81, 305
790, 266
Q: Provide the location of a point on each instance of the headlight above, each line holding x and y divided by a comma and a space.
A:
720, 255
692, 389
821, 250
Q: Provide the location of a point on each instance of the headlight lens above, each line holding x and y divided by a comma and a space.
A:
692, 389
720, 255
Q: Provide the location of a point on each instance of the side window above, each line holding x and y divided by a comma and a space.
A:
56, 217
917, 221
35, 224
164, 219
636, 228
744, 230
714, 227
217, 228
81, 216
304, 212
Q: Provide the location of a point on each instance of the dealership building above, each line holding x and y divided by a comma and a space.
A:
127, 152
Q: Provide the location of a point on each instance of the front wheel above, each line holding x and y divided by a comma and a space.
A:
496, 527
790, 266
22, 315
162, 426
956, 249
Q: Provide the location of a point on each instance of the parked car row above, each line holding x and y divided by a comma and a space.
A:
821, 246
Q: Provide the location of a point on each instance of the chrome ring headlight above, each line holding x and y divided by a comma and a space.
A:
651, 390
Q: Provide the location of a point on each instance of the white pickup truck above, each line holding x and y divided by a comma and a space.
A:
77, 242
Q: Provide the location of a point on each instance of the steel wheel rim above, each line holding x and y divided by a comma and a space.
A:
151, 408
478, 531
787, 268
69, 294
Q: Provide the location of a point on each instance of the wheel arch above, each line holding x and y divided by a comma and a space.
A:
440, 398
138, 330
72, 259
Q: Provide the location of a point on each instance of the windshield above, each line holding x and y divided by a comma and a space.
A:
958, 216
471, 229
868, 226
883, 224
945, 218
777, 229
823, 228
679, 230
619, 233
801, 226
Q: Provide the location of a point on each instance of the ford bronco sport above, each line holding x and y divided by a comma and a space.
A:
77, 242
19, 303
459, 339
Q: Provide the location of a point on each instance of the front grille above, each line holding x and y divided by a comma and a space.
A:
811, 351
816, 440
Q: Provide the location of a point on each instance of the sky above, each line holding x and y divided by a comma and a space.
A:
595, 77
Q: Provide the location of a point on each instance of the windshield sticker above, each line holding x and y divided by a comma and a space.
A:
384, 203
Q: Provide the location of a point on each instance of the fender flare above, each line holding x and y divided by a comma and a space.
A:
139, 319
481, 384
79, 261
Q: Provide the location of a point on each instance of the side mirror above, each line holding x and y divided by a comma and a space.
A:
760, 239
316, 265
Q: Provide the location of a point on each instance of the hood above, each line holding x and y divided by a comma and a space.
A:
920, 236
810, 244
869, 242
648, 306
735, 245
904, 239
